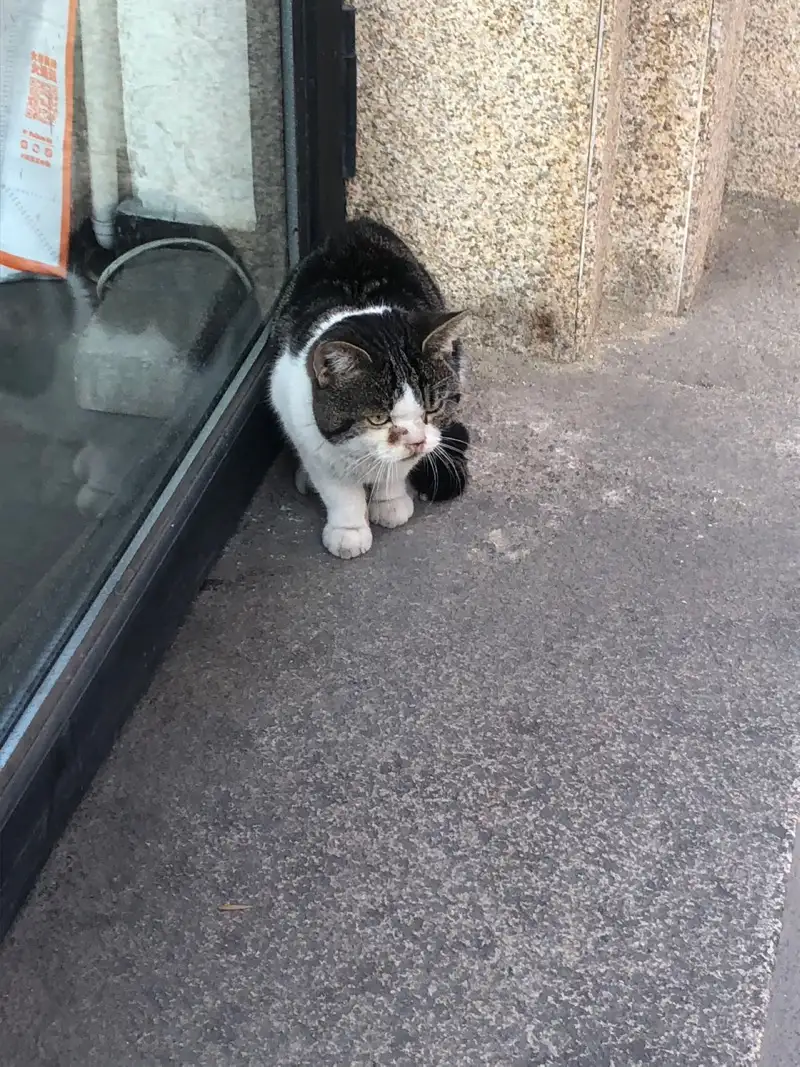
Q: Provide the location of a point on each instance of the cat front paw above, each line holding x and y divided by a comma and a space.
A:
392, 513
347, 542
102, 472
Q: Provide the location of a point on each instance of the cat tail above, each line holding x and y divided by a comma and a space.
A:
443, 475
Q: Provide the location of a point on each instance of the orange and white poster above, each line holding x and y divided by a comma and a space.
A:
37, 40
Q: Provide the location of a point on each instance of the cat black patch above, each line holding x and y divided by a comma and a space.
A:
439, 476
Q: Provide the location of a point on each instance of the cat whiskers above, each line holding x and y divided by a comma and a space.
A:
361, 468
447, 460
473, 446
435, 470
384, 466
368, 470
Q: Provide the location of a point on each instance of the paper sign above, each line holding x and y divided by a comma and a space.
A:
37, 40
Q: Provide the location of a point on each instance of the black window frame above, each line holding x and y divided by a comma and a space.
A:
70, 731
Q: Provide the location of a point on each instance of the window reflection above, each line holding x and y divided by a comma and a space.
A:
142, 235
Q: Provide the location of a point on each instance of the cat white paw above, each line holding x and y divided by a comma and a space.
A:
347, 542
392, 513
93, 503
102, 472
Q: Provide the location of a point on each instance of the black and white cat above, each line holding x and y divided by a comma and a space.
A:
366, 383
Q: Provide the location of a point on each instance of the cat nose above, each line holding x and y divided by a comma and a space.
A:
410, 438
414, 441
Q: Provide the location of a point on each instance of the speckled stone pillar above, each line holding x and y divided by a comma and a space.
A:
713, 150
680, 76
765, 160
475, 135
612, 38
545, 158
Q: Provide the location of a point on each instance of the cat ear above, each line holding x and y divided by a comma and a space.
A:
441, 328
336, 361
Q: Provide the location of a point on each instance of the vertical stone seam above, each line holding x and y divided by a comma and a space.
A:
695, 158
601, 26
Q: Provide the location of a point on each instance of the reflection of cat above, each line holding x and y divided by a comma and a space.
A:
98, 382
50, 541
41, 320
38, 317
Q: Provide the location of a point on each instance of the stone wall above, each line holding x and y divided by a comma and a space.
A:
474, 138
679, 88
549, 160
765, 160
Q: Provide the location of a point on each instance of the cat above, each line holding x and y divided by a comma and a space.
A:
365, 381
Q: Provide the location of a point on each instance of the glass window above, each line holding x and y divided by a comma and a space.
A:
142, 236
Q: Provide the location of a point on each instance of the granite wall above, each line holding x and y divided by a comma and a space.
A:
550, 160
765, 160
679, 87
721, 77
474, 142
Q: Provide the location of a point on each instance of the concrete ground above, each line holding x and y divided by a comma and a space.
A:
518, 788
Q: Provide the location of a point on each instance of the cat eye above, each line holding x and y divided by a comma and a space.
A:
377, 420
433, 407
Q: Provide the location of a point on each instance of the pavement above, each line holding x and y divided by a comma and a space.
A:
517, 789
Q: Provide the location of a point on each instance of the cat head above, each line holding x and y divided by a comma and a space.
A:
387, 382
